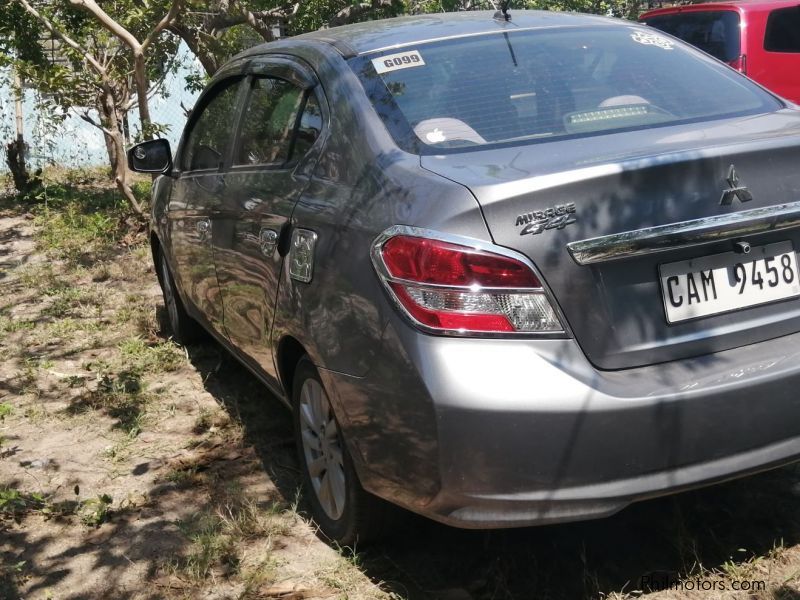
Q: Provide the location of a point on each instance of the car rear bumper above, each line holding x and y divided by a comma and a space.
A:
502, 433
541, 507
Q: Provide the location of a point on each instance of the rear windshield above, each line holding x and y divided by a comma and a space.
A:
714, 32
535, 86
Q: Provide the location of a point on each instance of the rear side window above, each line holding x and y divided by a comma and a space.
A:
715, 32
471, 92
783, 30
211, 133
268, 122
309, 127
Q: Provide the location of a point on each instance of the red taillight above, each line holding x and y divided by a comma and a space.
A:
740, 64
450, 287
433, 261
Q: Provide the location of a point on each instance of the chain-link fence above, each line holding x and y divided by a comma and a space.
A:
70, 140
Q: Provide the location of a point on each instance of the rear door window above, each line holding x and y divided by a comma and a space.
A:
268, 122
714, 32
783, 30
309, 127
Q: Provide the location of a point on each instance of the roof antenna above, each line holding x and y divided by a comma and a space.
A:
502, 12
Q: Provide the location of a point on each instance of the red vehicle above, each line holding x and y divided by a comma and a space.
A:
760, 38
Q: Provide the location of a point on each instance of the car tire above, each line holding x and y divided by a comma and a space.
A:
185, 330
345, 513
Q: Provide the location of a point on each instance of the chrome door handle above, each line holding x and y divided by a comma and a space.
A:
267, 241
203, 227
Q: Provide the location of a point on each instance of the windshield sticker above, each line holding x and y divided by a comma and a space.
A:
395, 62
652, 39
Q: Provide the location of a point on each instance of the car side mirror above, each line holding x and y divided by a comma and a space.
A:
152, 156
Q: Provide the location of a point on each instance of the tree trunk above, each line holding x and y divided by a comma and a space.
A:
23, 182
111, 147
15, 151
20, 125
196, 47
140, 78
115, 145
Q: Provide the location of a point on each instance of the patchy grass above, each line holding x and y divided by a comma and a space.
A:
75, 234
219, 534
14, 503
211, 547
183, 476
151, 358
9, 325
82, 227
79, 215
119, 388
17, 504
119, 393
95, 511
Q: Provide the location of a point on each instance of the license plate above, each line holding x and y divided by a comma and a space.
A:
721, 283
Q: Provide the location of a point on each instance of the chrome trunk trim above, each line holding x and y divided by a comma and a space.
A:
641, 242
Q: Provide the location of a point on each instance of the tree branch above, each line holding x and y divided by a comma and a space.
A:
165, 23
137, 49
351, 13
84, 115
225, 19
192, 39
106, 21
155, 88
63, 37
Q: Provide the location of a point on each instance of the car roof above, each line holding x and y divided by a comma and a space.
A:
383, 34
739, 5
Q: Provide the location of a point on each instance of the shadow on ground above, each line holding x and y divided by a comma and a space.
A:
139, 536
658, 539
665, 538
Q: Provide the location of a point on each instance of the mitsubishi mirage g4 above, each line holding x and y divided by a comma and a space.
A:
504, 272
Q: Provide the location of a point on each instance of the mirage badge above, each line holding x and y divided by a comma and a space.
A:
555, 217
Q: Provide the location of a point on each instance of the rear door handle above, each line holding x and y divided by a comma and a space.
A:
267, 241
203, 228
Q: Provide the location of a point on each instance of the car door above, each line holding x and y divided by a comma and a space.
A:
197, 196
271, 165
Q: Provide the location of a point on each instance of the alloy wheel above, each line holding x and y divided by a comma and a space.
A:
322, 449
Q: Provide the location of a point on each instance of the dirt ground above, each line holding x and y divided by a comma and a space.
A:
131, 467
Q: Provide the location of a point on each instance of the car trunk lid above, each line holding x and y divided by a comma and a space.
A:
552, 201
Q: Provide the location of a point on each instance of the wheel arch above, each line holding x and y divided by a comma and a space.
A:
155, 250
288, 356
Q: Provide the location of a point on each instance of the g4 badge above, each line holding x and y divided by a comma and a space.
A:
537, 221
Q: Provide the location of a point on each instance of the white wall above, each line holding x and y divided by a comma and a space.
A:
77, 143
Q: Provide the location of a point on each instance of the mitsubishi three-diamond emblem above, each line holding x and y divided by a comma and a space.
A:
735, 190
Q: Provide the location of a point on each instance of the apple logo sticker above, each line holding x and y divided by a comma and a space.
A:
436, 136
